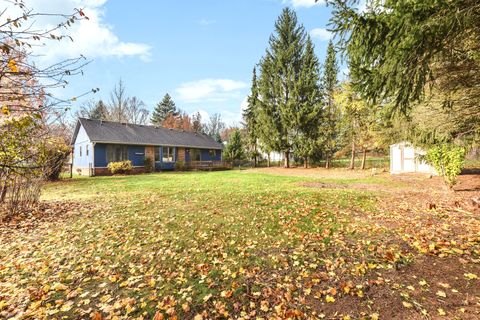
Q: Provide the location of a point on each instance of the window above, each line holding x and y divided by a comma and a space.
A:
167, 154
195, 155
212, 153
86, 150
157, 154
116, 153
80, 150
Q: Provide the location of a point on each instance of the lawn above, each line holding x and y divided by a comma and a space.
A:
267, 243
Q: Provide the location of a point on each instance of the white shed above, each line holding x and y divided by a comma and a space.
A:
404, 158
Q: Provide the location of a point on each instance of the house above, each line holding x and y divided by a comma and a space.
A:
404, 158
97, 142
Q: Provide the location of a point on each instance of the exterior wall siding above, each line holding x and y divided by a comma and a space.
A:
81, 163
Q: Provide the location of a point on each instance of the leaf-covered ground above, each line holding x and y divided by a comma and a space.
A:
252, 244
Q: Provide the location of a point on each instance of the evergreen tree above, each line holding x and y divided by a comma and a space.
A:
234, 149
99, 112
163, 109
250, 116
308, 111
330, 83
279, 84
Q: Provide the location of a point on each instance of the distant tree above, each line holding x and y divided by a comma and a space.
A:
215, 126
197, 124
91, 109
163, 109
136, 111
181, 121
234, 149
330, 84
118, 102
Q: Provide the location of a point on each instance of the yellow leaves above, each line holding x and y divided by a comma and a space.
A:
12, 65
407, 305
441, 312
329, 298
186, 307
422, 283
470, 276
264, 306
441, 293
374, 316
151, 282
113, 278
3, 304
198, 317
207, 297
5, 110
59, 287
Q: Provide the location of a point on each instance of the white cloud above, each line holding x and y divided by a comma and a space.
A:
92, 38
244, 104
206, 22
209, 90
304, 3
321, 34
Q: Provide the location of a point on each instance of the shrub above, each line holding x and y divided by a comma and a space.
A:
121, 167
149, 165
180, 166
448, 160
53, 156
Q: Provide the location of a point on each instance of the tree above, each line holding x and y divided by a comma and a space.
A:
27, 103
308, 114
330, 84
279, 84
197, 124
163, 109
180, 122
250, 117
136, 111
92, 109
410, 52
234, 150
215, 126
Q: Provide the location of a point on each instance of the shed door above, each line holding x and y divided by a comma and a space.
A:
408, 159
396, 159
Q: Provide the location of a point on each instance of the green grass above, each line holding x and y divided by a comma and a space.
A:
184, 235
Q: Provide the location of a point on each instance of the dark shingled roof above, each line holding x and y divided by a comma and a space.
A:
126, 133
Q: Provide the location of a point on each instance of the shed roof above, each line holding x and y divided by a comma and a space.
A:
125, 133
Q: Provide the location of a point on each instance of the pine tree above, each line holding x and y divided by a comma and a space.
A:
279, 84
234, 150
250, 116
163, 109
330, 83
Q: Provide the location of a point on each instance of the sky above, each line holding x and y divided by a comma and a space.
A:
200, 52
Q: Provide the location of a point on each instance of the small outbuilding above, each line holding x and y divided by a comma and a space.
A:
405, 158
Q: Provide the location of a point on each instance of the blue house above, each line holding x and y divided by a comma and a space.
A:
97, 142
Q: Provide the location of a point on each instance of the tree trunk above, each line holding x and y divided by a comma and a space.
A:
287, 159
364, 158
255, 161
268, 160
352, 160
305, 162
327, 162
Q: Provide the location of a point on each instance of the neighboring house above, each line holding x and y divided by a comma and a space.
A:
404, 158
97, 142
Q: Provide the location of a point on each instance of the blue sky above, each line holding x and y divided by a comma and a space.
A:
200, 52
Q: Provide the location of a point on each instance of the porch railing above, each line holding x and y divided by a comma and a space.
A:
207, 165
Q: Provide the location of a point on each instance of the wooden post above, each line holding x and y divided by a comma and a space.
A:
352, 160
71, 170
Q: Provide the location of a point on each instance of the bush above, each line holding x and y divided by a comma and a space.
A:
180, 166
121, 167
448, 160
54, 155
149, 165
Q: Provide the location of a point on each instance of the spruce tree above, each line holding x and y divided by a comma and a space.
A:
279, 83
330, 83
250, 116
308, 109
163, 109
